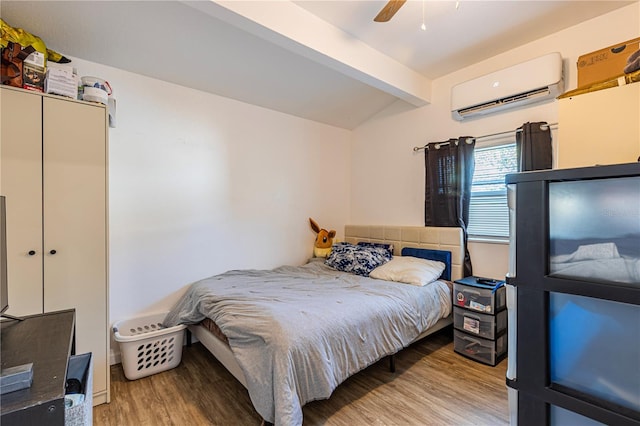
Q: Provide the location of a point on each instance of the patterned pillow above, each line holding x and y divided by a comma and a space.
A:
359, 260
389, 247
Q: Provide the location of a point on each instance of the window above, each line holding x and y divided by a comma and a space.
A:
488, 213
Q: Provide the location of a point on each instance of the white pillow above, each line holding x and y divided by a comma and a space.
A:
409, 270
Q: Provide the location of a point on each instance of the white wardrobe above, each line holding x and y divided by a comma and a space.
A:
53, 158
601, 127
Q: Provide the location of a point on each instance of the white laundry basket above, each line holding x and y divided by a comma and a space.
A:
147, 347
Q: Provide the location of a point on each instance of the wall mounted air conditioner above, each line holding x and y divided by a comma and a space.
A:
532, 81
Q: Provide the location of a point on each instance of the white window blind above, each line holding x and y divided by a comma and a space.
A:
489, 214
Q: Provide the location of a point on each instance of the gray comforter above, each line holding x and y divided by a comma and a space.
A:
298, 332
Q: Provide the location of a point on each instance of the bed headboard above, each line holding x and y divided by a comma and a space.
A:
427, 237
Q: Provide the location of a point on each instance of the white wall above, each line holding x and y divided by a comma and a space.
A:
201, 184
388, 177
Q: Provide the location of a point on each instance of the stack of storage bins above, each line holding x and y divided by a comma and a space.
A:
480, 319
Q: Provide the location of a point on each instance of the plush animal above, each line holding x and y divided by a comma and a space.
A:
324, 240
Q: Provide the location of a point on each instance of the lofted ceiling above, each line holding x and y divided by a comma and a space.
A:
326, 61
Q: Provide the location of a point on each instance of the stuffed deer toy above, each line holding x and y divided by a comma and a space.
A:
324, 240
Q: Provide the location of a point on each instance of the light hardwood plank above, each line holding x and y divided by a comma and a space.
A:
432, 385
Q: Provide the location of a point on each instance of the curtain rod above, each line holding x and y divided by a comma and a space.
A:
469, 140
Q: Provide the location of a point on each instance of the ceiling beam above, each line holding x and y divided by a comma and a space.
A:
294, 28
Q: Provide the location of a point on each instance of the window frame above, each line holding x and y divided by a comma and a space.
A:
502, 142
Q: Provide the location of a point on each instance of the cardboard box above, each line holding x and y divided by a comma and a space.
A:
605, 64
34, 70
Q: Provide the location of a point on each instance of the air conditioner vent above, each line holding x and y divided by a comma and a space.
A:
532, 81
492, 106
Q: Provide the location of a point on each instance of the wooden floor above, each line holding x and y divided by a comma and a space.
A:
432, 385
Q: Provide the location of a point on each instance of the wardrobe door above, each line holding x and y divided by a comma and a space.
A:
601, 127
75, 224
21, 183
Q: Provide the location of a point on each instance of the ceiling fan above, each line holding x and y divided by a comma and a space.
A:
389, 10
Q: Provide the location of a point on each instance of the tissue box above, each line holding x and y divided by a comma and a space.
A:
605, 64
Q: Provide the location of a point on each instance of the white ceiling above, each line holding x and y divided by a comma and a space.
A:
455, 38
279, 55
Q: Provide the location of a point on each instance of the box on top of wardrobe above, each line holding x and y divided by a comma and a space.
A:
607, 63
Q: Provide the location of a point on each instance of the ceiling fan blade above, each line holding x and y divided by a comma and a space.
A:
389, 10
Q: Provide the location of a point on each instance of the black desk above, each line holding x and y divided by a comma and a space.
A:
46, 340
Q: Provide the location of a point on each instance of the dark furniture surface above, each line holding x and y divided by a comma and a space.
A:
559, 311
47, 341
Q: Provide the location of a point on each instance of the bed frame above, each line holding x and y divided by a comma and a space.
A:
434, 238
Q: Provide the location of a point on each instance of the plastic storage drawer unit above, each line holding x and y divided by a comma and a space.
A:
480, 294
483, 325
486, 351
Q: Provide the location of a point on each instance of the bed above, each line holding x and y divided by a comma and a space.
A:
295, 346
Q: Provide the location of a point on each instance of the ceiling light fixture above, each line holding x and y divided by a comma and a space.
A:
423, 27
457, 4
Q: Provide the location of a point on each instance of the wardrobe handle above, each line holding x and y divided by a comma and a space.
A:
52, 252
31, 252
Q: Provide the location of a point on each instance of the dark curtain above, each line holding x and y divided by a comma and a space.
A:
449, 172
533, 147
